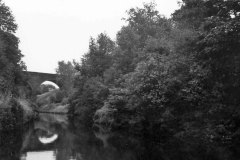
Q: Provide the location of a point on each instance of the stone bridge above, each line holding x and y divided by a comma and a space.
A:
35, 79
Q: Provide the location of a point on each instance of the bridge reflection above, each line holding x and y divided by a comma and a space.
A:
48, 139
52, 137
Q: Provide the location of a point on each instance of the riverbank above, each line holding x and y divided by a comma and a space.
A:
15, 112
52, 102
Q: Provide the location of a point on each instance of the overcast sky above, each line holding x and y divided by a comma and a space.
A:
55, 30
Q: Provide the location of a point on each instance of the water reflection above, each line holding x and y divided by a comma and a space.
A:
52, 137
46, 139
44, 155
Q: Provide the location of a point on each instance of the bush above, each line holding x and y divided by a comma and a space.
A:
59, 96
119, 111
7, 120
91, 97
105, 115
54, 96
11, 115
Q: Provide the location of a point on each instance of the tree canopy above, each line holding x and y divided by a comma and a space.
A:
10, 55
173, 76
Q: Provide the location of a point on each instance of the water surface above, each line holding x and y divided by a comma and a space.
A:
54, 137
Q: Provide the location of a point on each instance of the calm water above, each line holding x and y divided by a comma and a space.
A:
53, 137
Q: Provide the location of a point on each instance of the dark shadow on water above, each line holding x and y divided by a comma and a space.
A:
53, 137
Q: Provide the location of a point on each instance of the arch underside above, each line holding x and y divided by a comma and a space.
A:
35, 79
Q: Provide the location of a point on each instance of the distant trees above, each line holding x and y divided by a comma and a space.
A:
46, 88
10, 55
66, 73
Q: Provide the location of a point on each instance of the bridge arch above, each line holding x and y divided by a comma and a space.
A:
50, 83
35, 79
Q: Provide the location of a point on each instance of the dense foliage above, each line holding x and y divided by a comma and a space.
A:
66, 73
13, 110
177, 76
91, 89
10, 55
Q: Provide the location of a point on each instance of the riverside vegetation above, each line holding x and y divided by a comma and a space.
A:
162, 79
166, 77
14, 109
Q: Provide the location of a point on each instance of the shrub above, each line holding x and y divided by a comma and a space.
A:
105, 115
59, 96
11, 115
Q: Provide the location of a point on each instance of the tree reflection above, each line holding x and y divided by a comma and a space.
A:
10, 144
54, 138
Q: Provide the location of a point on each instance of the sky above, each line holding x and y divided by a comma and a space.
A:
56, 30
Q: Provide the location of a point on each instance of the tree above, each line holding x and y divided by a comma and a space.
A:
90, 90
7, 22
216, 52
98, 59
66, 73
143, 24
217, 45
10, 55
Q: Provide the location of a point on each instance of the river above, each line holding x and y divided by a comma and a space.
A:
55, 137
